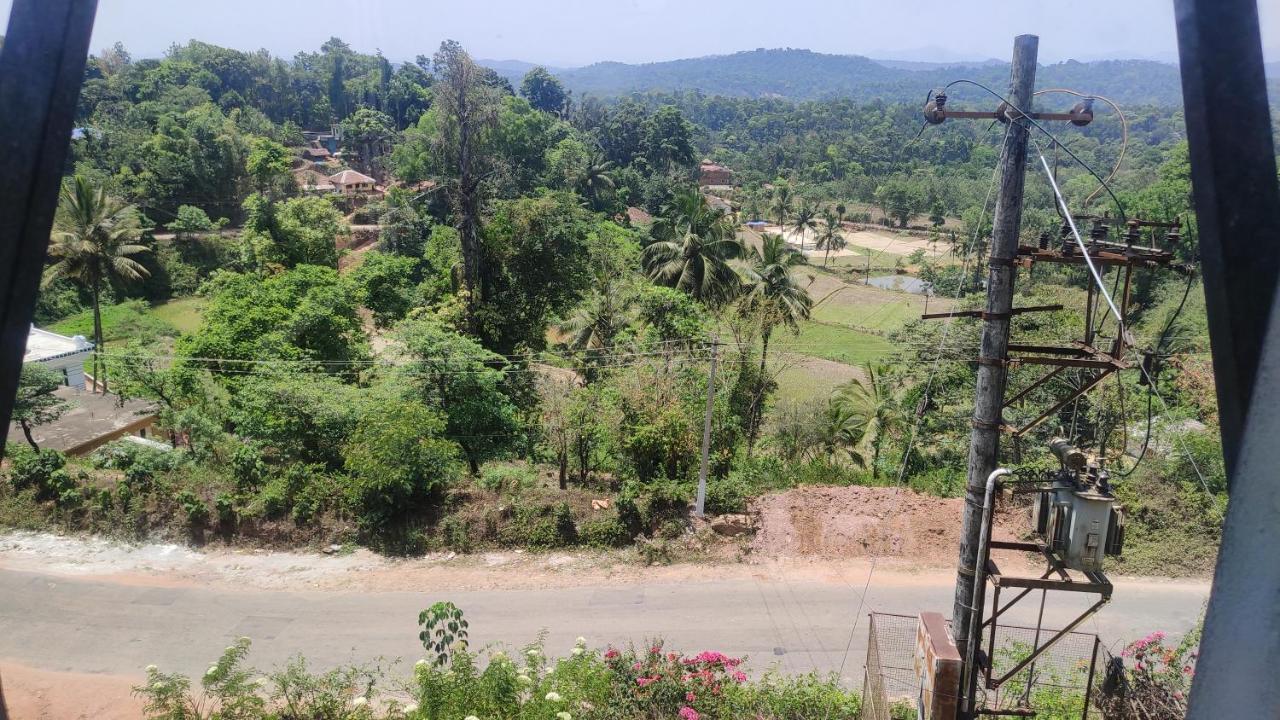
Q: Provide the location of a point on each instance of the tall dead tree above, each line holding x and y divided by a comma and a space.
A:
467, 108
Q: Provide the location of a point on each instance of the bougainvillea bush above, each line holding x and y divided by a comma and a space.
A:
1156, 679
650, 683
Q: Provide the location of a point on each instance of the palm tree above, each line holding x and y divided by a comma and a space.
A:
597, 321
830, 236
806, 220
782, 203
93, 239
596, 183
869, 413
693, 248
774, 295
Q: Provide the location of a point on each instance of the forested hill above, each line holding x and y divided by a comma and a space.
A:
806, 75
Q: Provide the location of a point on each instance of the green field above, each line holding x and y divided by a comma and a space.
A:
181, 313
131, 320
833, 342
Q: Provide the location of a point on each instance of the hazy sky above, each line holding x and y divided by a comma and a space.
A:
577, 32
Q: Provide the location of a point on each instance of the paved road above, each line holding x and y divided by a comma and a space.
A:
99, 626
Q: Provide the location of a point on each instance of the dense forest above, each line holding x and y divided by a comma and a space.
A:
515, 319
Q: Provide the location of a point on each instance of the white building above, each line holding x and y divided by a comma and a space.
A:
59, 353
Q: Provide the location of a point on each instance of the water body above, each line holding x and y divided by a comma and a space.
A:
902, 283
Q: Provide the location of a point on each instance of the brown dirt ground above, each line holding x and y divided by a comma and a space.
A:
865, 522
30, 694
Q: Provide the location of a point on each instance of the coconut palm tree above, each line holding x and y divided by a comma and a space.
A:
830, 236
596, 183
597, 321
806, 220
93, 242
693, 248
869, 412
782, 203
776, 297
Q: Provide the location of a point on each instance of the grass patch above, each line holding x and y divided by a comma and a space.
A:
834, 342
181, 313
130, 320
801, 382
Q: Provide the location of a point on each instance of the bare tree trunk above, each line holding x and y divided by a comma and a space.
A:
99, 380
757, 403
26, 430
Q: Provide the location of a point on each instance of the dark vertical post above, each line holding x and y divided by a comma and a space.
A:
41, 67
984, 439
1237, 201
1093, 668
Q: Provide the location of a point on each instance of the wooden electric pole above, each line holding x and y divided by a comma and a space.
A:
984, 439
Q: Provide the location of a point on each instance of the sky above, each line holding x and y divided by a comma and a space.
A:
568, 33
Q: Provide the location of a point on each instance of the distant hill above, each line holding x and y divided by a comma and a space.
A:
806, 75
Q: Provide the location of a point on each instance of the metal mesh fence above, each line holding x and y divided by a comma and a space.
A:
1057, 684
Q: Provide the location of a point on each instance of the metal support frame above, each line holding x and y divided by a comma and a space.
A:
41, 68
1237, 201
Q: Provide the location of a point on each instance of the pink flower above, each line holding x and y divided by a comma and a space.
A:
642, 682
1177, 694
1186, 670
1137, 666
610, 654
739, 676
655, 650
690, 697
673, 656
635, 666
688, 713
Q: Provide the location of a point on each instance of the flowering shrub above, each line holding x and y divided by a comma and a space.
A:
1156, 680
583, 684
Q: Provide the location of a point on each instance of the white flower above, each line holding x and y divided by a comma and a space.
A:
420, 663
471, 717
524, 679
532, 653
212, 669
229, 648
553, 696
260, 682
157, 686
576, 651
499, 656
152, 668
582, 642
360, 701
411, 708
562, 715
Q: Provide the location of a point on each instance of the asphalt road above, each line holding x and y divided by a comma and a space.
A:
96, 625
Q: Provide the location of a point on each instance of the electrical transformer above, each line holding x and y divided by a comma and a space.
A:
1076, 513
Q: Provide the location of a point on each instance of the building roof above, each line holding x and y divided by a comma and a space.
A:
308, 178
93, 420
44, 345
351, 177
317, 152
708, 166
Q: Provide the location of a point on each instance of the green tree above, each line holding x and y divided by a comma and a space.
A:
830, 235
93, 243
693, 249
781, 205
303, 415
369, 133
900, 198
455, 375
268, 167
544, 91
191, 220
35, 404
775, 297
298, 231
399, 462
868, 414
805, 221
307, 313
668, 138
386, 286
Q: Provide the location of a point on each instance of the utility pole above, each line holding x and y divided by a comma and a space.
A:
706, 428
984, 439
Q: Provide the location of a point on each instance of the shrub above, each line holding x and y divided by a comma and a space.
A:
31, 469
727, 495
197, 512
456, 533
225, 505
247, 467
603, 532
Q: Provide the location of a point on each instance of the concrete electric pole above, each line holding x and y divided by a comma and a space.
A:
984, 439
700, 505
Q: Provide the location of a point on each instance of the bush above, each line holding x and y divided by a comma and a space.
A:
31, 469
604, 532
247, 467
727, 495
197, 512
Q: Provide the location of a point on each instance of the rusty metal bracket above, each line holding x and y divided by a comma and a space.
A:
984, 315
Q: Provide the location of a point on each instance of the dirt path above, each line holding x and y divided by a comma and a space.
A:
28, 693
